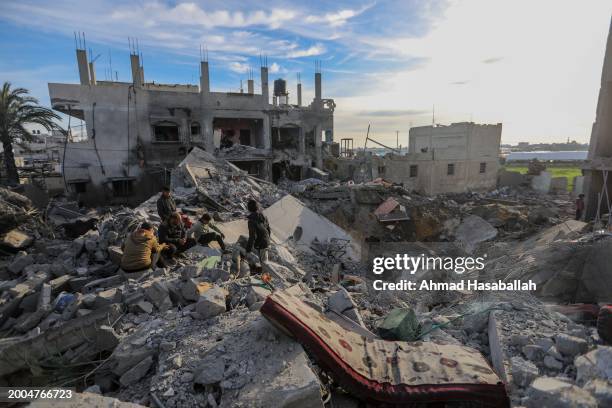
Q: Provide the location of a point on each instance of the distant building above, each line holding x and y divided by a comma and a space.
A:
441, 159
138, 131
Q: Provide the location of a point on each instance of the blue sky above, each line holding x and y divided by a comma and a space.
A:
535, 66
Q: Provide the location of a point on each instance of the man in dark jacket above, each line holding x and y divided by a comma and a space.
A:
172, 232
165, 204
259, 231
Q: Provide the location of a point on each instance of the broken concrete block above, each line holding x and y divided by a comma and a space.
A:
546, 392
342, 303
596, 364
523, 372
211, 303
570, 345
256, 294
60, 339
15, 240
157, 293
44, 297
601, 390
472, 231
106, 298
137, 372
21, 260
115, 254
552, 363
191, 289
141, 307
85, 399
533, 352
215, 274
190, 271
209, 371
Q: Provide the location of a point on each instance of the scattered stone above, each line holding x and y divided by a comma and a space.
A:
211, 303
601, 390
533, 352
570, 345
137, 372
553, 363
596, 364
546, 392
523, 372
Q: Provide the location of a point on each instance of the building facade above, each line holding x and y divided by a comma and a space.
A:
441, 159
137, 132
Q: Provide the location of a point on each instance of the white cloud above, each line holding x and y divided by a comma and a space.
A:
316, 49
239, 67
336, 18
274, 68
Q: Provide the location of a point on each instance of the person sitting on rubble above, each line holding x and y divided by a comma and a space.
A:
172, 232
579, 206
141, 250
165, 204
259, 231
205, 231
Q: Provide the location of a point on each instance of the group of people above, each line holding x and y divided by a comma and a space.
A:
143, 249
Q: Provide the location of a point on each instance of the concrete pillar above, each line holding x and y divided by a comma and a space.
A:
142, 79
136, 75
250, 87
318, 146
299, 94
206, 127
264, 85
83, 66
318, 86
267, 137
302, 141
92, 73
204, 78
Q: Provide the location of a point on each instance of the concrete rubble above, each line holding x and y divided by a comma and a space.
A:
191, 334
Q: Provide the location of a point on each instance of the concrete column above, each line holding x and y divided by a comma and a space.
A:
204, 78
92, 73
267, 138
302, 141
142, 79
250, 87
264, 85
299, 94
136, 75
206, 127
83, 66
318, 146
318, 86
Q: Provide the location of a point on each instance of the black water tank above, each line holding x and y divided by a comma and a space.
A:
280, 87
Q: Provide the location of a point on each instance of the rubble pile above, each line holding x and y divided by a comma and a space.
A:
191, 334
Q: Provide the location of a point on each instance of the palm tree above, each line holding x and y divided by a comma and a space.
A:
17, 108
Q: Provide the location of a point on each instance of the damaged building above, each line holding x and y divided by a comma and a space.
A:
599, 162
138, 131
441, 159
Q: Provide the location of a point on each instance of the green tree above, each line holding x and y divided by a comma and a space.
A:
17, 109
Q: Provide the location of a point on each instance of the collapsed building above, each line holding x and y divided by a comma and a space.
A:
599, 162
139, 130
441, 159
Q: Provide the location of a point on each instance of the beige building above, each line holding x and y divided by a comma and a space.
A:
441, 159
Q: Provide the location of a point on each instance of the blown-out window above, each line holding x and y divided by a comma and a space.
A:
166, 132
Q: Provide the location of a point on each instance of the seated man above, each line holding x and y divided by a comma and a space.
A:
141, 249
172, 232
205, 231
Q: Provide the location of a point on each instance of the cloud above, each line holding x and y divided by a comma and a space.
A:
314, 50
275, 68
239, 67
336, 18
189, 13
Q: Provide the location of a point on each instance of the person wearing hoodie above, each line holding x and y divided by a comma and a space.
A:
172, 232
205, 231
259, 231
165, 204
141, 249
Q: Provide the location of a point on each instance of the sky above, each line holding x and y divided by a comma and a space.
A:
533, 65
